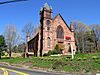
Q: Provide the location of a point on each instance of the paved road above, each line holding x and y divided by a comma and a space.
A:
8, 70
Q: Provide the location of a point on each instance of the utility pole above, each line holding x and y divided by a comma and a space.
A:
72, 51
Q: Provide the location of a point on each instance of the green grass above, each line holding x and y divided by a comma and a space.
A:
81, 63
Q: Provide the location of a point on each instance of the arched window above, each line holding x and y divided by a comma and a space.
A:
48, 24
60, 32
48, 41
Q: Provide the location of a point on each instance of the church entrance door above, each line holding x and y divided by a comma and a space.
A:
60, 45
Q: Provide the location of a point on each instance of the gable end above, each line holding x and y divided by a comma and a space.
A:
63, 20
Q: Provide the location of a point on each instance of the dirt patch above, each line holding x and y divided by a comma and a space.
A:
4, 63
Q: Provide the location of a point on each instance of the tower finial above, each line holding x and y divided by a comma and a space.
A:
28, 36
71, 27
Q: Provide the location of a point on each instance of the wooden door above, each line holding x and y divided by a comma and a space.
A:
60, 44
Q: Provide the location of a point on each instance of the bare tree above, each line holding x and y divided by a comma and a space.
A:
80, 29
96, 29
35, 30
84, 37
28, 28
31, 30
11, 37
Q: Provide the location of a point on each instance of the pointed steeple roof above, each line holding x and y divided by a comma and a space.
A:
47, 6
51, 7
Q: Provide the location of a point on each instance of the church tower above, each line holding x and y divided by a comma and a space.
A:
46, 28
46, 12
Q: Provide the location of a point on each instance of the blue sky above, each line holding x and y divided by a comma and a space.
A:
21, 13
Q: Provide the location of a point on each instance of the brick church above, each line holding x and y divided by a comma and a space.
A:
52, 31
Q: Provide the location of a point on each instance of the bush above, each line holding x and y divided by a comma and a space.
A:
77, 52
95, 57
58, 65
54, 52
98, 51
84, 58
45, 54
2, 54
57, 50
78, 59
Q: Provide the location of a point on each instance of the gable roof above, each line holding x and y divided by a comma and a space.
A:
63, 20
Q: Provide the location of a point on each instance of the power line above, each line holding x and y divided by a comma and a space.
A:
12, 1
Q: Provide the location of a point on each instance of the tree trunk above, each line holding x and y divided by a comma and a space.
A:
0, 55
10, 53
77, 42
96, 45
95, 41
10, 50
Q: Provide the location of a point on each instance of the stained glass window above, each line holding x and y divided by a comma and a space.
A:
60, 33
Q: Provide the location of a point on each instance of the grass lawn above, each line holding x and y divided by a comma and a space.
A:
82, 63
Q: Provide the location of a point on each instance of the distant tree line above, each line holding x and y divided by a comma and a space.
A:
14, 41
87, 37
